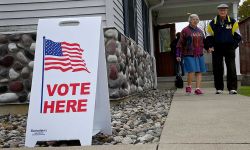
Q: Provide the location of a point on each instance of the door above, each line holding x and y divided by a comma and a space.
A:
164, 35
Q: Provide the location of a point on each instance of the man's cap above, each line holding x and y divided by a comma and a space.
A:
221, 6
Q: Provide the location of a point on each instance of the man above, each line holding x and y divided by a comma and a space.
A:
223, 38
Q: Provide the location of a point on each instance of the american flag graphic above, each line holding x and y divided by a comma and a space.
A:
63, 56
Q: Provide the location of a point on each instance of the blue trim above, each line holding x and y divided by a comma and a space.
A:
41, 106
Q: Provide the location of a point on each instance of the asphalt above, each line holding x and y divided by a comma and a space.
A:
206, 122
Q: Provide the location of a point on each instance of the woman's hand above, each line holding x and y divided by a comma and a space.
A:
178, 58
210, 50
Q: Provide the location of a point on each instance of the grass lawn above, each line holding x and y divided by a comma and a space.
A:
245, 90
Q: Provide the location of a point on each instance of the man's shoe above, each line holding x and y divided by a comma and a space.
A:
232, 92
198, 92
218, 92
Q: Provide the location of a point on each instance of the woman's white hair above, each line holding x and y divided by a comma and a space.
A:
193, 16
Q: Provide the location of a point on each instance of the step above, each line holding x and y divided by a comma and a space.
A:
170, 84
207, 82
204, 78
172, 78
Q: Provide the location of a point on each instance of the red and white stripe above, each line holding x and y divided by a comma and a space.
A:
70, 61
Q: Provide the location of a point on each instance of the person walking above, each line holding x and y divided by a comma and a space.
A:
223, 38
177, 65
190, 47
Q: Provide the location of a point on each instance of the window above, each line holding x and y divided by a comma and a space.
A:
130, 19
145, 18
164, 40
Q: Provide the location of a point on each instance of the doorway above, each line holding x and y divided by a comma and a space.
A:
164, 35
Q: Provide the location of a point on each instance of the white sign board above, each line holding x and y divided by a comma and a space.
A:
69, 95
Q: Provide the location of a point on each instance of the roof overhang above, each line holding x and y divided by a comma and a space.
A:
179, 10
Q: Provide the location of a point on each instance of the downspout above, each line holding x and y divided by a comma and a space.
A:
152, 38
151, 25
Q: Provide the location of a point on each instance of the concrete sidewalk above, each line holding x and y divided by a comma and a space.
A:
207, 122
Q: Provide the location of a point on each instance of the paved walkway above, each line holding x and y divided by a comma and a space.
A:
207, 122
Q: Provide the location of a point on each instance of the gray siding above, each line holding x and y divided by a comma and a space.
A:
23, 15
118, 15
114, 14
140, 23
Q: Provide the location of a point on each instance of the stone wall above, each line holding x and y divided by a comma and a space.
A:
130, 68
16, 65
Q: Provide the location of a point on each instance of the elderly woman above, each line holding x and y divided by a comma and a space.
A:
190, 48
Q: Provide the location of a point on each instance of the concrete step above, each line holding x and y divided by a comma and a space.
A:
207, 81
172, 78
170, 84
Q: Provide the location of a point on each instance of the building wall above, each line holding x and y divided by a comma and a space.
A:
23, 15
140, 23
118, 15
245, 47
121, 18
16, 67
130, 68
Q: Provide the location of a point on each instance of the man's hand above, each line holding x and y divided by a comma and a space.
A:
178, 58
210, 50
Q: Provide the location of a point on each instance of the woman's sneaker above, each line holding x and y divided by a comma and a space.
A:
198, 92
188, 90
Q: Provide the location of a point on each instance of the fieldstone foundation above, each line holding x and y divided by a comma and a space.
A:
130, 68
16, 67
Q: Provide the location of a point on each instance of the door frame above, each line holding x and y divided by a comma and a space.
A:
163, 57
